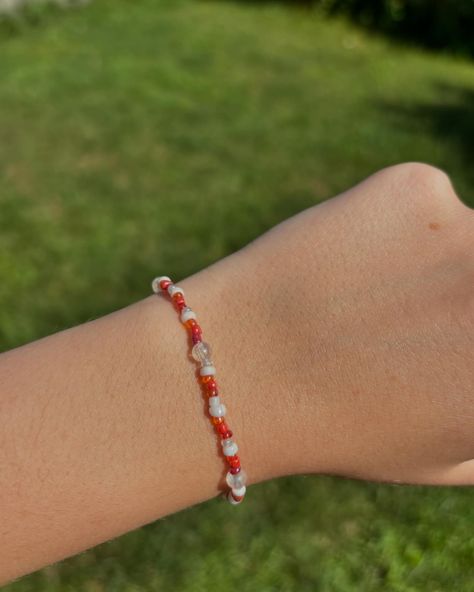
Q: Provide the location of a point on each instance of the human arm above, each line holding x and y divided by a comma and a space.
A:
343, 340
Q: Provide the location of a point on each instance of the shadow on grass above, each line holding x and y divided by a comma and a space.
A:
444, 28
450, 120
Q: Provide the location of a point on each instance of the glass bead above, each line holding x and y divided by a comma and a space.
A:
206, 379
235, 470
227, 435
233, 499
207, 368
214, 401
222, 427
239, 493
234, 461
173, 290
230, 449
196, 334
218, 410
156, 284
191, 323
201, 352
237, 480
213, 393
211, 385
187, 314
217, 421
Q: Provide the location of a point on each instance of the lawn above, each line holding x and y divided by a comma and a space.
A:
138, 137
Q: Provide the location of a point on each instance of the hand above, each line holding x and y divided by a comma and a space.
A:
354, 330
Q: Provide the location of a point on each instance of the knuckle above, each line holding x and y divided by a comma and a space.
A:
423, 180
427, 189
420, 197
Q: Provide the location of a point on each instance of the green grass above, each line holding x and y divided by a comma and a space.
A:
139, 137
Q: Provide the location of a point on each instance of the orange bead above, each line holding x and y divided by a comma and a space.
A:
191, 323
217, 420
205, 379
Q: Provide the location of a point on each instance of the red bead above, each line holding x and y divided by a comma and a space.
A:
235, 470
165, 283
211, 385
213, 393
234, 461
227, 434
196, 333
222, 427
180, 305
238, 498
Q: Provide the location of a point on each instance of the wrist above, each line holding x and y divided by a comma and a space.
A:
271, 406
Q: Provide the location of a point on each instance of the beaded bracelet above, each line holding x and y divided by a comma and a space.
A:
236, 477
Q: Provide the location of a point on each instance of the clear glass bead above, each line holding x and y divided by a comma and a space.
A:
201, 352
231, 499
236, 481
230, 449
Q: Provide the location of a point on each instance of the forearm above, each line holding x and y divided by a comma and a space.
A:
104, 428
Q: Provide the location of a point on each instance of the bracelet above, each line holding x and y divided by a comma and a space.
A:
236, 477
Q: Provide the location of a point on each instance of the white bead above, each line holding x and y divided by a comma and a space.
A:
236, 481
218, 411
226, 441
240, 491
201, 352
187, 314
172, 290
207, 371
155, 284
214, 401
230, 449
233, 501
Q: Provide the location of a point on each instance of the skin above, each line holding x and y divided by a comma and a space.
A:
343, 340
